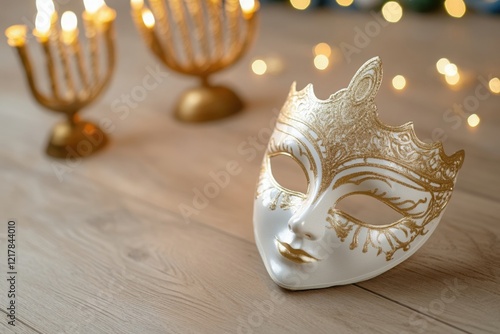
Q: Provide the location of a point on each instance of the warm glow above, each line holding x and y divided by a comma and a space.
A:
321, 62
455, 8
275, 64
259, 67
45, 6
69, 21
452, 79
392, 11
137, 4
247, 6
322, 49
450, 70
300, 4
473, 120
148, 18
345, 3
42, 23
495, 85
16, 35
441, 64
399, 82
92, 6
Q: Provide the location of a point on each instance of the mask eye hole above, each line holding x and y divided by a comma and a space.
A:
368, 209
289, 173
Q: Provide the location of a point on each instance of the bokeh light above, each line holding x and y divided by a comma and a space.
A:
300, 4
148, 18
441, 64
259, 67
392, 11
455, 8
322, 49
473, 120
450, 70
275, 64
452, 79
494, 85
399, 82
321, 62
345, 3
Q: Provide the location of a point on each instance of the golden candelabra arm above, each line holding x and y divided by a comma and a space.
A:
79, 87
199, 38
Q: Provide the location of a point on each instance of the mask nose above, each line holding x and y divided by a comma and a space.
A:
305, 226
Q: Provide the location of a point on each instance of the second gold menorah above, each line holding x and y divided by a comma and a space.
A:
199, 38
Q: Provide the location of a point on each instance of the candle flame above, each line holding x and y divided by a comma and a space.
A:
148, 18
69, 21
16, 35
92, 6
42, 23
248, 6
45, 6
137, 4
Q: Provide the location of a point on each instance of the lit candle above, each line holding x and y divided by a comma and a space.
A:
69, 23
248, 7
137, 4
69, 36
42, 27
43, 24
90, 18
16, 36
149, 22
92, 7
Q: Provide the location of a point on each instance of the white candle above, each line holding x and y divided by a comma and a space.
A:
69, 23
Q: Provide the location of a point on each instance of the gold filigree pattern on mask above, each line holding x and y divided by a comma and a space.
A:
345, 133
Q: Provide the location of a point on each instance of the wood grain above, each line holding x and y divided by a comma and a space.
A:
130, 266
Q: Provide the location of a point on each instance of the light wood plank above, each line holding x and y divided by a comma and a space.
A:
19, 328
464, 254
108, 264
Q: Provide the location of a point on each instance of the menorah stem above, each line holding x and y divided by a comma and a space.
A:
160, 12
73, 118
65, 65
77, 53
92, 35
215, 9
181, 21
205, 82
30, 75
233, 10
195, 9
51, 68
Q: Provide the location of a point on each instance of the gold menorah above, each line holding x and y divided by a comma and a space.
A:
199, 38
65, 64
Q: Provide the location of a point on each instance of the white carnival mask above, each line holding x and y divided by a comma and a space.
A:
344, 149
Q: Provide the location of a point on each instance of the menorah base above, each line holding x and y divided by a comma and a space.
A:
204, 104
75, 140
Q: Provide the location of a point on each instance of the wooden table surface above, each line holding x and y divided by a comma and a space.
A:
103, 247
